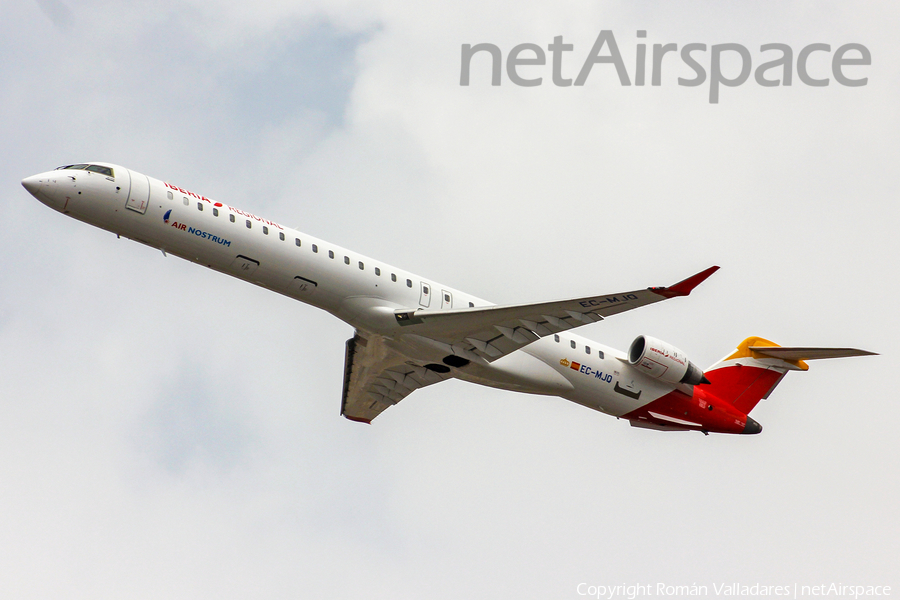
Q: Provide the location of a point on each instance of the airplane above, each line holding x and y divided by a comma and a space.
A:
411, 332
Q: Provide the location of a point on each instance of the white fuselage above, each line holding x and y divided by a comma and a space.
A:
357, 289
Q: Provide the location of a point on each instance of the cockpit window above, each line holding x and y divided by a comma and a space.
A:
102, 170
95, 168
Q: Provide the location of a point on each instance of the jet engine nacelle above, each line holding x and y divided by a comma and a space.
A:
662, 361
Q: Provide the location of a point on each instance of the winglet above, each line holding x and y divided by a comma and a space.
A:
683, 288
358, 419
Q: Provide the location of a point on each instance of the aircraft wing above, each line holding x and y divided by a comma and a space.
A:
495, 331
377, 377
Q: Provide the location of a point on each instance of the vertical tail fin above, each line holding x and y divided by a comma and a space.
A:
746, 376
749, 374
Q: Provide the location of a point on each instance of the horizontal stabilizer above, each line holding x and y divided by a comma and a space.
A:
798, 353
749, 374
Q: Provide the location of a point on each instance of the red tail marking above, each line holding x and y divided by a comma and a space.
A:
742, 386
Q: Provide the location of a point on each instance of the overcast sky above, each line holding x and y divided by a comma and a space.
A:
169, 432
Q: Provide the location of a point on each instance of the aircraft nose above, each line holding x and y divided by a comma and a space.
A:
43, 187
752, 426
32, 184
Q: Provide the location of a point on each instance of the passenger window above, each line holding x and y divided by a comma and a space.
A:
600, 353
393, 277
297, 241
186, 201
215, 212
169, 195
587, 349
346, 260
315, 248
265, 230
361, 266
409, 283
249, 224
378, 271
231, 218
200, 206
555, 337
573, 343
281, 235
471, 305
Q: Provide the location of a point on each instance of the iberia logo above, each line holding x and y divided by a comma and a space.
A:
564, 362
166, 216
